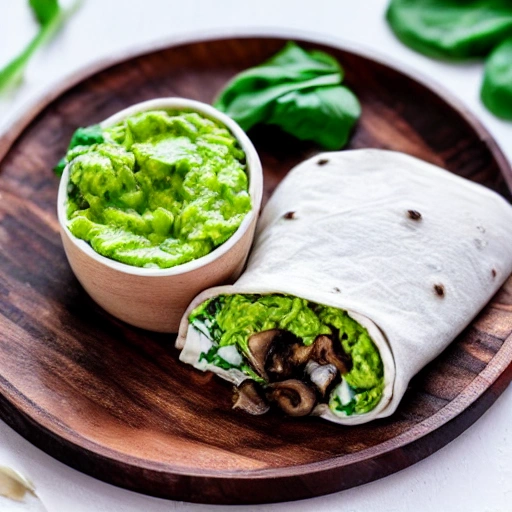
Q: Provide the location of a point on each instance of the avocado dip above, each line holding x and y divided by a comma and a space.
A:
159, 189
295, 354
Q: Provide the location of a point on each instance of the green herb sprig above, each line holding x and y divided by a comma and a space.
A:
50, 16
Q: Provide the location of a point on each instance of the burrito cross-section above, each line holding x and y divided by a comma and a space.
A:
366, 265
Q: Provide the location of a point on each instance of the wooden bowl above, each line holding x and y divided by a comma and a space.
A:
155, 299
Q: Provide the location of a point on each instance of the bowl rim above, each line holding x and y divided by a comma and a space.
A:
253, 169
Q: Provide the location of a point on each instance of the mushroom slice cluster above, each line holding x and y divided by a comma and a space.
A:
296, 376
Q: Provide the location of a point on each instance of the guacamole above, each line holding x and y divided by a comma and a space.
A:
299, 328
158, 189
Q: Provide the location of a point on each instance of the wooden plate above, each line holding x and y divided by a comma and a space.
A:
114, 402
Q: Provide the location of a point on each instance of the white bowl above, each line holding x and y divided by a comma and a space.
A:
155, 299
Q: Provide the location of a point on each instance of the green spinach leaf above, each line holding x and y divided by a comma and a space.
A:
82, 137
454, 29
496, 89
297, 90
324, 115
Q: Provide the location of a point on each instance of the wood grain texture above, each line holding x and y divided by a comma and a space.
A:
114, 401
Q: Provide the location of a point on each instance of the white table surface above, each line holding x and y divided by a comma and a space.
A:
472, 473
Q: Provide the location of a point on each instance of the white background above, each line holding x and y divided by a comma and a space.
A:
474, 472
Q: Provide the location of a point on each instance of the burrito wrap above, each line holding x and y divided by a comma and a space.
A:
409, 250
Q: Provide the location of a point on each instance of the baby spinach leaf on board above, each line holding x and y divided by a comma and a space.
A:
297, 90
454, 29
256, 106
313, 61
324, 115
496, 89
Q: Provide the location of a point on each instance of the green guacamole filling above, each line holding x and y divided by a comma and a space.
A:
230, 320
158, 189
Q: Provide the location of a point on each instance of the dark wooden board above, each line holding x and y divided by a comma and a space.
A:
114, 402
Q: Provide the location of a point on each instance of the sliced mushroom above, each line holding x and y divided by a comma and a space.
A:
287, 357
321, 375
259, 345
278, 366
301, 353
325, 354
248, 398
294, 397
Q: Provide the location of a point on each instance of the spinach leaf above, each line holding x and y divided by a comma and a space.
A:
496, 90
256, 105
452, 29
82, 137
51, 17
324, 114
86, 136
456, 29
297, 90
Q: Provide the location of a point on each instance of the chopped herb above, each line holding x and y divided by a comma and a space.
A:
348, 409
213, 358
206, 314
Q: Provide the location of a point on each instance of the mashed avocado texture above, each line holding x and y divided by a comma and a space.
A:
229, 320
157, 190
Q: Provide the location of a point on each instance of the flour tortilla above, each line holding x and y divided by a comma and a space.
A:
414, 283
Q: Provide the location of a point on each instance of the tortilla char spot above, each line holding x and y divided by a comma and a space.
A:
493, 272
414, 215
336, 290
439, 289
289, 215
323, 161
480, 244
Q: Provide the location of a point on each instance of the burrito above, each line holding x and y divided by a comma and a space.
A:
366, 265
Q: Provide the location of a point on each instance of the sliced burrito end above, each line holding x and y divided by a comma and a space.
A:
301, 356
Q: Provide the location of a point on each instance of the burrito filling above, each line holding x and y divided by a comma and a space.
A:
291, 353
158, 189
